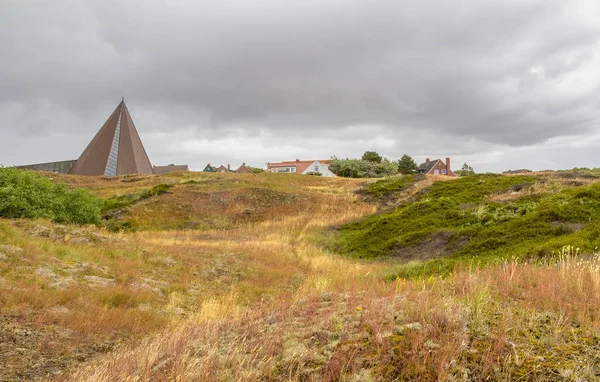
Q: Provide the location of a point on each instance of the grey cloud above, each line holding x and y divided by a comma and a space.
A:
508, 73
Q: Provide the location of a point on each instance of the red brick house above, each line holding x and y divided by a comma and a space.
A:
436, 167
243, 169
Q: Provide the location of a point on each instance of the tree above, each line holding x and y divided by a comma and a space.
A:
256, 170
465, 170
372, 156
358, 168
407, 165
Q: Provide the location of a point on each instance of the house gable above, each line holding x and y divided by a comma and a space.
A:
244, 169
318, 167
301, 167
209, 168
436, 167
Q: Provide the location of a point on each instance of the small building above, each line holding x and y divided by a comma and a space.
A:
63, 167
436, 167
243, 169
160, 170
313, 166
210, 168
225, 169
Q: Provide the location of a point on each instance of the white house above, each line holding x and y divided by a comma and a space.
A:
302, 167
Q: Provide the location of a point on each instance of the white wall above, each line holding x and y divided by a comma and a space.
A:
322, 168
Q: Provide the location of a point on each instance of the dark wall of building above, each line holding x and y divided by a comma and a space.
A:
62, 167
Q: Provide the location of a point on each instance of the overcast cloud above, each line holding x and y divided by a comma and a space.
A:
497, 83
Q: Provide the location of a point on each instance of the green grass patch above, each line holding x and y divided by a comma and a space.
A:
476, 230
129, 199
389, 185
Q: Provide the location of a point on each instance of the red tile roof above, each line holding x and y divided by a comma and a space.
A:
301, 165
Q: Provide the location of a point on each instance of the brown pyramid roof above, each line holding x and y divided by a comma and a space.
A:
115, 150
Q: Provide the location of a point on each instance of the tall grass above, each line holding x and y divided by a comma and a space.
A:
515, 321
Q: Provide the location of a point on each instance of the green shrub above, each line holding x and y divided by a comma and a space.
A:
358, 168
457, 219
256, 170
26, 194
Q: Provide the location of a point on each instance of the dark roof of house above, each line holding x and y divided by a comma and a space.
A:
159, 170
115, 150
427, 166
211, 167
224, 169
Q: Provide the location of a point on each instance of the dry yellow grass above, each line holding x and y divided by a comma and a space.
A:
156, 279
514, 322
262, 301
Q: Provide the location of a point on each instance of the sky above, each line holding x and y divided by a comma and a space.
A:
498, 84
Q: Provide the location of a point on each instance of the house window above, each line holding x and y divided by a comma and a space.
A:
316, 168
436, 171
443, 171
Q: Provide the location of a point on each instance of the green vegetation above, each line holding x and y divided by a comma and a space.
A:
581, 172
90, 303
26, 194
129, 199
465, 170
389, 185
456, 222
256, 170
372, 156
358, 168
407, 165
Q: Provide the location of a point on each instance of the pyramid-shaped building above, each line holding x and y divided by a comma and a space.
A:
115, 150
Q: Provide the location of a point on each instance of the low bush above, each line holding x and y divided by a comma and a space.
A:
26, 194
455, 222
358, 168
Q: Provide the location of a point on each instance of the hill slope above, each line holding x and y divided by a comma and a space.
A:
71, 292
482, 219
191, 287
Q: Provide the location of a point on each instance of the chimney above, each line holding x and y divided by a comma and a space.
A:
297, 160
229, 168
243, 163
448, 165
427, 160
